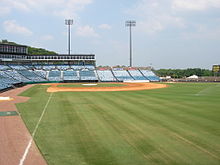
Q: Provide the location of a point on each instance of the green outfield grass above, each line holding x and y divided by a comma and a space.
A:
177, 125
98, 85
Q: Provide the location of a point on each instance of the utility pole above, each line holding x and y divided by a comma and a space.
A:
130, 24
69, 22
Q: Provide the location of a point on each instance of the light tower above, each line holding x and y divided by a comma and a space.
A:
130, 24
69, 22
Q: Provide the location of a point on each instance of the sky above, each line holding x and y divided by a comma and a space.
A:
168, 33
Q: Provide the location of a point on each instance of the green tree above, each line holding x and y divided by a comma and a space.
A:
39, 51
182, 73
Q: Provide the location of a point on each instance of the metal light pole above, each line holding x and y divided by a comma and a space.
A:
69, 22
130, 24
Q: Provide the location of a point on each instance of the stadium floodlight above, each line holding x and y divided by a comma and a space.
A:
69, 22
130, 24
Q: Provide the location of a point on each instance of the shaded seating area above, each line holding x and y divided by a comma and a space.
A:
150, 75
6, 81
106, 75
87, 75
54, 76
136, 74
70, 75
122, 75
31, 75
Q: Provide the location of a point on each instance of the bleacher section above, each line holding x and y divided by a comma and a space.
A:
81, 67
41, 73
54, 76
150, 75
29, 67
106, 75
48, 67
70, 75
17, 67
6, 81
31, 75
136, 74
77, 67
63, 67
90, 67
4, 67
39, 67
122, 75
15, 74
87, 75
11, 80
3, 84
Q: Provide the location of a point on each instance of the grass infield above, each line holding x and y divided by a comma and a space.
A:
177, 125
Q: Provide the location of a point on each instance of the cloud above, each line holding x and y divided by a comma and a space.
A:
203, 32
105, 27
63, 8
154, 16
195, 4
11, 26
9, 5
86, 31
71, 7
4, 10
160, 23
47, 37
19, 5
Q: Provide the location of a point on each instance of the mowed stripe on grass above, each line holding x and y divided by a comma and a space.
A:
164, 126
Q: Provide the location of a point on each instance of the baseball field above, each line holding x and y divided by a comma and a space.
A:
177, 125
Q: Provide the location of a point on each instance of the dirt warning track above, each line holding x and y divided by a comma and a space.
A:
125, 87
14, 135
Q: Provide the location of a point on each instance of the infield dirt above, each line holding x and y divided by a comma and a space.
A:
125, 87
14, 136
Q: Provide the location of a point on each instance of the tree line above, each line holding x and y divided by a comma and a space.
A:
182, 73
39, 51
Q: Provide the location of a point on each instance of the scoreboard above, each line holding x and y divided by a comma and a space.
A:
216, 68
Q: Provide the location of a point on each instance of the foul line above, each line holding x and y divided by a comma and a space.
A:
33, 134
203, 91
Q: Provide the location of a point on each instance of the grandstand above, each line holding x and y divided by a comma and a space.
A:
121, 74
88, 75
137, 75
106, 76
16, 75
54, 75
31, 75
150, 75
6, 81
18, 67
